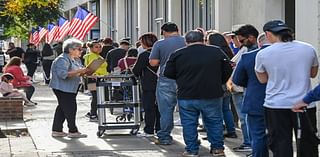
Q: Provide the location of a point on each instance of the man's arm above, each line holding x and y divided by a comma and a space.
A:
314, 71
154, 62
262, 77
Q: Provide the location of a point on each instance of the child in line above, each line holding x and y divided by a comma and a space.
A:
7, 90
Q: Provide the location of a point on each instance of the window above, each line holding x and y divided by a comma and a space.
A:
158, 15
131, 19
111, 20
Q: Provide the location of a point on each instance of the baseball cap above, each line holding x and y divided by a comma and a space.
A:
169, 27
275, 26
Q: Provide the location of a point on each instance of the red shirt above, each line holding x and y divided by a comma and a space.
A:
20, 80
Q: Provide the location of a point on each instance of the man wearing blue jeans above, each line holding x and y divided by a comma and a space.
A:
166, 88
200, 90
245, 76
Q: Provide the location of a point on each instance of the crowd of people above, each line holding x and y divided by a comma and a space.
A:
265, 77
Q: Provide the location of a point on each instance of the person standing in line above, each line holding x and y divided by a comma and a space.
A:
66, 71
200, 90
217, 39
247, 36
47, 57
107, 46
245, 76
166, 91
94, 53
286, 66
148, 76
116, 54
31, 59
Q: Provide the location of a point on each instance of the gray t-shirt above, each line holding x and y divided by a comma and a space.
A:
162, 50
288, 65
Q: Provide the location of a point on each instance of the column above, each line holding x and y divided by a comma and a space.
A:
120, 22
103, 18
223, 15
142, 17
174, 12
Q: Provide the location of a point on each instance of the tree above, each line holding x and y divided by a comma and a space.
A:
19, 16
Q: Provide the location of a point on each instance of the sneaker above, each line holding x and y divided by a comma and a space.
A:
34, 103
93, 118
77, 135
217, 152
242, 148
189, 154
88, 115
58, 134
230, 135
158, 142
144, 134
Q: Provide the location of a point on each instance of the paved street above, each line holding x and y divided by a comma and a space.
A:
38, 121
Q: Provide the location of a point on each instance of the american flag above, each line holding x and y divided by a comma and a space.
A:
34, 37
81, 23
52, 32
42, 32
64, 27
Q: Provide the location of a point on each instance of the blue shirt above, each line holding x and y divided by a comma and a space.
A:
245, 76
313, 95
162, 50
59, 74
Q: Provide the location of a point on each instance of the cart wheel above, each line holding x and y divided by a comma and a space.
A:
100, 133
134, 131
121, 118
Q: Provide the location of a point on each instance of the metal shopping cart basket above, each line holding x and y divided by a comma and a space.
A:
131, 99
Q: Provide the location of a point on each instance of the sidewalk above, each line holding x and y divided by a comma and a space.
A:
38, 122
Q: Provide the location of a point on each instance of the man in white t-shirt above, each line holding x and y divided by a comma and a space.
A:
286, 66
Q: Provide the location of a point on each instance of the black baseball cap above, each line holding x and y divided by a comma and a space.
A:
275, 26
169, 27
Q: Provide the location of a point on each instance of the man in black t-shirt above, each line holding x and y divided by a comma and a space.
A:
107, 46
15, 51
199, 90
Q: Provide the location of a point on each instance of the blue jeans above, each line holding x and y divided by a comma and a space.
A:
238, 102
211, 111
227, 115
166, 94
257, 127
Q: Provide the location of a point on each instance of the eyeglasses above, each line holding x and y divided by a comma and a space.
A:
242, 40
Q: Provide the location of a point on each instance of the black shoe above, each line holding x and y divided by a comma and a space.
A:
93, 118
230, 135
242, 148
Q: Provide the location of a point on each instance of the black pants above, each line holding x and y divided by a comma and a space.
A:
151, 112
93, 111
280, 123
31, 68
46, 64
28, 90
66, 110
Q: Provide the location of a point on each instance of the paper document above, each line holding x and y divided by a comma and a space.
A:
94, 65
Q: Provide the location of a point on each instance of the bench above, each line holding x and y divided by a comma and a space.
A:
11, 108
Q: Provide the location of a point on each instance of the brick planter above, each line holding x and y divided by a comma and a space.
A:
11, 108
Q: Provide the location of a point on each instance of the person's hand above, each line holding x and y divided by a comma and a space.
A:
83, 71
229, 85
299, 107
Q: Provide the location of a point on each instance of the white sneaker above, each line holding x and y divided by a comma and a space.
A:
77, 135
143, 134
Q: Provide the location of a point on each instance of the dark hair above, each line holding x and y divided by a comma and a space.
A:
219, 40
284, 35
107, 41
138, 44
47, 49
115, 44
13, 61
247, 30
92, 43
132, 52
194, 36
148, 39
